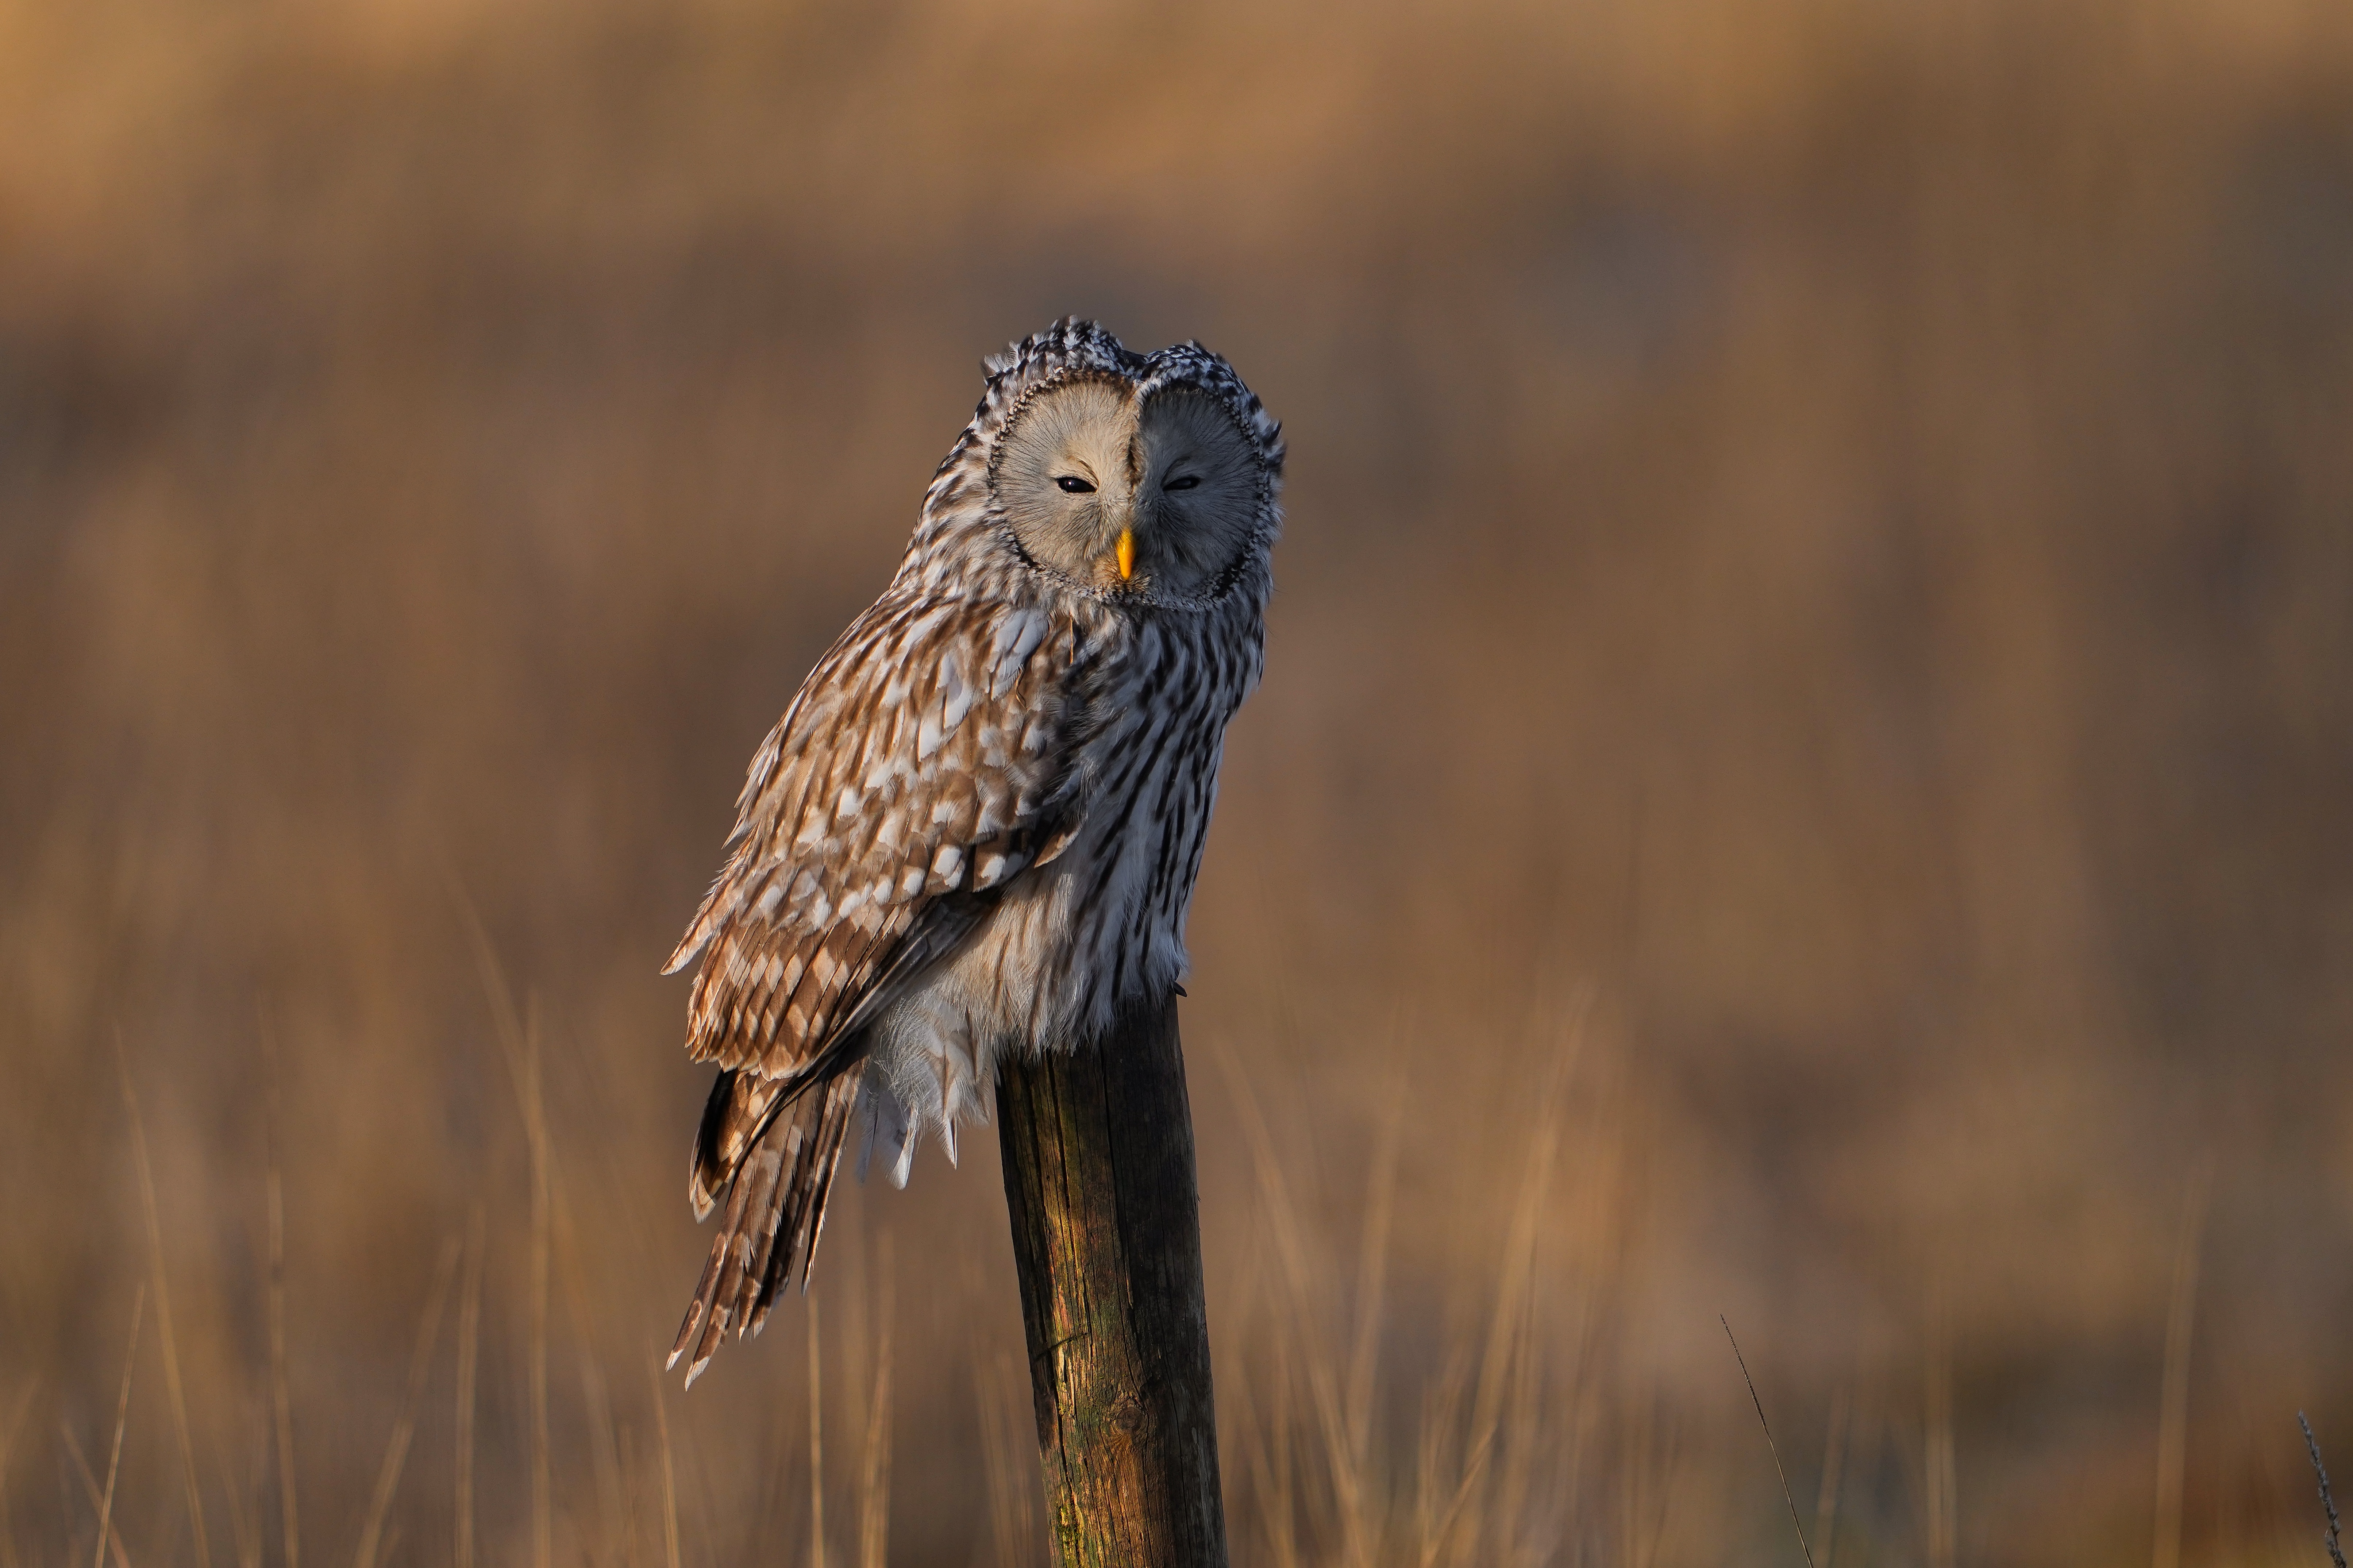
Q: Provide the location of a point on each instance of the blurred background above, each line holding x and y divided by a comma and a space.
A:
1803, 774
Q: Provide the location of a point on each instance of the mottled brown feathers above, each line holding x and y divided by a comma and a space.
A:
977, 827
926, 757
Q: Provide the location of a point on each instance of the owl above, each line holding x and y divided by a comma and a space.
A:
975, 829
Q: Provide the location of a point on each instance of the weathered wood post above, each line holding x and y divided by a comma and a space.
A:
1099, 1180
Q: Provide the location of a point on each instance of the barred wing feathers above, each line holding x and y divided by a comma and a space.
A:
926, 760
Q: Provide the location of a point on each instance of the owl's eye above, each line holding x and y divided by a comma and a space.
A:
1073, 485
1186, 483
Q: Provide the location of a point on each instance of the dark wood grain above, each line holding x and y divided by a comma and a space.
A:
1099, 1180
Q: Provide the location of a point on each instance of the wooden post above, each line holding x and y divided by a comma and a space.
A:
1099, 1180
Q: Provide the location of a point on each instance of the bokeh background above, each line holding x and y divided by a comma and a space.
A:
1804, 772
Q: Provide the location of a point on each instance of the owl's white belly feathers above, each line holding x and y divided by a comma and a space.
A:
1071, 941
1009, 987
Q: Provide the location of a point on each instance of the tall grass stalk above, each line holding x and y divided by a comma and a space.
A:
669, 1466
1774, 1448
2173, 1419
281, 1400
816, 1439
96, 1492
244, 1523
1324, 1379
469, 1342
542, 1481
1826, 1499
1942, 1481
1002, 1387
121, 1423
168, 1332
874, 1469
7, 1451
404, 1425
517, 1037
1496, 1447
2331, 1539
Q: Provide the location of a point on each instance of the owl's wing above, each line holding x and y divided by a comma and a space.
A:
926, 760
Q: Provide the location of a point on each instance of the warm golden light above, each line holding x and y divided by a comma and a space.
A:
1812, 593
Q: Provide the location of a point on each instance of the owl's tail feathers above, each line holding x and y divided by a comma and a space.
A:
781, 1161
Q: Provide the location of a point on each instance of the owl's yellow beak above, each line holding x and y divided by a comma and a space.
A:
1127, 553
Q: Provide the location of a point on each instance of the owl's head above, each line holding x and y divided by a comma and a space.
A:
1140, 479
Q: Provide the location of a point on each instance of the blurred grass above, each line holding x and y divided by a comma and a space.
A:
1822, 528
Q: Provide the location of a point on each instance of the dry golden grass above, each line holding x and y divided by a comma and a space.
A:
1802, 774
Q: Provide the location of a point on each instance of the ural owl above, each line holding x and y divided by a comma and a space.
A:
975, 829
